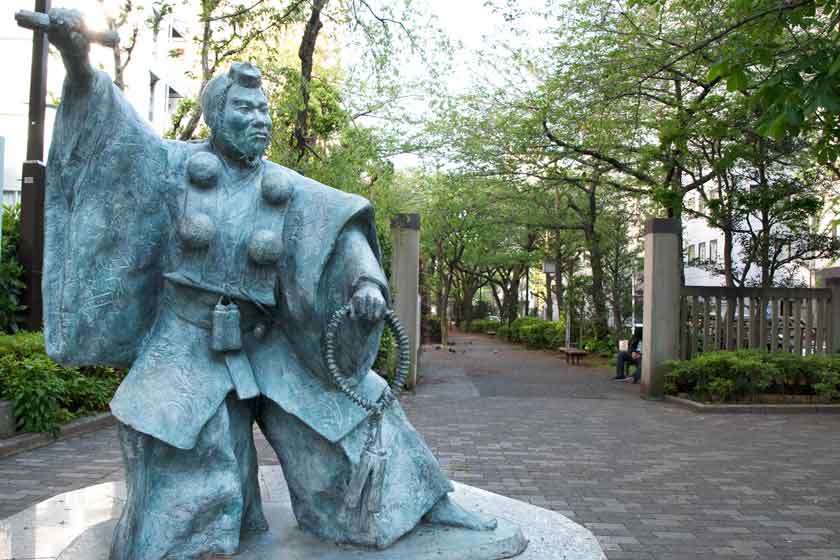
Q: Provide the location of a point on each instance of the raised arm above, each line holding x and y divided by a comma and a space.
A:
68, 33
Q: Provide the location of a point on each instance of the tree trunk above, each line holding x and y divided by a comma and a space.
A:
727, 258
599, 325
206, 72
616, 313
306, 54
549, 301
469, 288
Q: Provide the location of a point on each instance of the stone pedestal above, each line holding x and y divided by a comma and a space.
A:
78, 526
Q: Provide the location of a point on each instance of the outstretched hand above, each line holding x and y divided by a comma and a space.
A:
368, 304
67, 32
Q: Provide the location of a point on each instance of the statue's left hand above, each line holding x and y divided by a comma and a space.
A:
368, 304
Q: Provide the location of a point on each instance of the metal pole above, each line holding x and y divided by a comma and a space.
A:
33, 180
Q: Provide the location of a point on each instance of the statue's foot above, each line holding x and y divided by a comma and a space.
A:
447, 512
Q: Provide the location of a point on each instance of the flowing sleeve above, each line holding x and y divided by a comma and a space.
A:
355, 262
106, 221
332, 248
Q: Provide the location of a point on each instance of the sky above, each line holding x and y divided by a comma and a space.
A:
475, 27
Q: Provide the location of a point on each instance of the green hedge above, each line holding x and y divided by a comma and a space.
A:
606, 347
46, 394
482, 326
432, 330
387, 356
534, 332
11, 272
744, 375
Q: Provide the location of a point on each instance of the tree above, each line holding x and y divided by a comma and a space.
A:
125, 49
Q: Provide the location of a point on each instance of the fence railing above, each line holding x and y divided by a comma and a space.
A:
797, 320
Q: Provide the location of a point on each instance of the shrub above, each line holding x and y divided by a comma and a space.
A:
745, 374
482, 326
386, 359
11, 272
516, 326
433, 332
503, 332
605, 346
46, 394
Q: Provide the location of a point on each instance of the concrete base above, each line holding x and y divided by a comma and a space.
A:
78, 526
7, 419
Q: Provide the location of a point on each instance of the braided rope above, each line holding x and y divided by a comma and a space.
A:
403, 343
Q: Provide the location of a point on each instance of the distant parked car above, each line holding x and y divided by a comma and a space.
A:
493, 318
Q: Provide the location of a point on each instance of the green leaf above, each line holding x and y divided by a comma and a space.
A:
835, 66
716, 70
737, 80
778, 127
794, 115
830, 103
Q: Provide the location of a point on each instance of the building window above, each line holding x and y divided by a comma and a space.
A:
713, 253
691, 254
701, 252
701, 204
172, 101
174, 33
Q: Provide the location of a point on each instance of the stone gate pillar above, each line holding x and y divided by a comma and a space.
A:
831, 277
405, 282
661, 304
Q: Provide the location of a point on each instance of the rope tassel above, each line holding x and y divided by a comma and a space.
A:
370, 473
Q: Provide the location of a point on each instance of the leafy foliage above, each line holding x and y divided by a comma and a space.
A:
386, 359
46, 394
11, 273
534, 332
482, 326
746, 374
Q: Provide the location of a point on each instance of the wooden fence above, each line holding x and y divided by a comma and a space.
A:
797, 320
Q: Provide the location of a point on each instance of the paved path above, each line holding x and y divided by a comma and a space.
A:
651, 480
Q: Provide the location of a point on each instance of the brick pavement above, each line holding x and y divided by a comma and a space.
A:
652, 481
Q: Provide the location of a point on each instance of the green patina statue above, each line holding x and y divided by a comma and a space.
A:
214, 274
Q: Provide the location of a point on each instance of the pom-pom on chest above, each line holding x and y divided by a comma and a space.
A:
276, 187
203, 170
265, 246
196, 230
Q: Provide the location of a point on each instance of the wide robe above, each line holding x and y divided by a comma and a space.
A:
116, 292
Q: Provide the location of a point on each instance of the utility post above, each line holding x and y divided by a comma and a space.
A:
34, 180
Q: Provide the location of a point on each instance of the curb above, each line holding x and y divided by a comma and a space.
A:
754, 408
26, 442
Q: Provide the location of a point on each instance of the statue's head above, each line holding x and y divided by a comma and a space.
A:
236, 110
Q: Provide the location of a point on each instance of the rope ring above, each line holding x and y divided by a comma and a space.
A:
403, 366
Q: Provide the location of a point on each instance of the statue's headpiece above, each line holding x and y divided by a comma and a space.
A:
216, 91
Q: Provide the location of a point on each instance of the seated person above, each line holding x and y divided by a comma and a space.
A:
633, 355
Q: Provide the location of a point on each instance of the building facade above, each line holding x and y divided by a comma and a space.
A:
156, 77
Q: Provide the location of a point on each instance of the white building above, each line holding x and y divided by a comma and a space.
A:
703, 246
156, 78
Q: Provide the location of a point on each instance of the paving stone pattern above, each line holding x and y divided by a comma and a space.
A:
651, 480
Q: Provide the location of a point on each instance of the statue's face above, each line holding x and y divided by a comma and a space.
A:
246, 124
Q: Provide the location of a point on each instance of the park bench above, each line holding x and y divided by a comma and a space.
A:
573, 355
